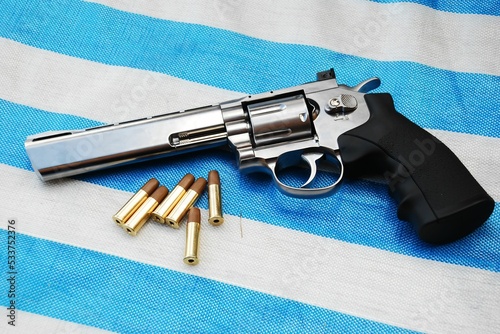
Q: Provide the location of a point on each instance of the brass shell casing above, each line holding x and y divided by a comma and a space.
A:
168, 204
130, 207
215, 205
135, 202
139, 218
135, 223
192, 238
174, 218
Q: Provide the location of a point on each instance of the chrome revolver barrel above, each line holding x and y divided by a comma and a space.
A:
65, 153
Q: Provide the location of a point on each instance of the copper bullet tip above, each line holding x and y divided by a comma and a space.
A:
199, 186
150, 186
194, 215
213, 177
160, 194
186, 181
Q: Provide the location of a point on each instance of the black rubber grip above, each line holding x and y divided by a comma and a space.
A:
435, 192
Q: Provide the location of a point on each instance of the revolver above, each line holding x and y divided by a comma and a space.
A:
358, 131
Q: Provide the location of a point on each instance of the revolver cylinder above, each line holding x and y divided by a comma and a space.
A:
278, 120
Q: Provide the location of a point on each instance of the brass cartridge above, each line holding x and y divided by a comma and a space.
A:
214, 199
192, 237
135, 223
135, 202
174, 218
172, 199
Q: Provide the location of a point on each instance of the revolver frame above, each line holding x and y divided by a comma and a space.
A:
268, 131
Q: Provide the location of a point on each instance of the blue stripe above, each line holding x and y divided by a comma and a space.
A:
431, 97
487, 7
83, 286
361, 212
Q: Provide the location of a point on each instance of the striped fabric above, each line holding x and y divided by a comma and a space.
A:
278, 264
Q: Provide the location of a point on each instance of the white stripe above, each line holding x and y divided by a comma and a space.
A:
29, 323
51, 81
398, 31
59, 83
357, 280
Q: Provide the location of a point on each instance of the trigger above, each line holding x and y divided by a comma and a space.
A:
311, 159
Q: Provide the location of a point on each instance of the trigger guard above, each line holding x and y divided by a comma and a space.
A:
307, 192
